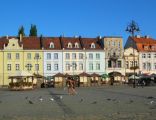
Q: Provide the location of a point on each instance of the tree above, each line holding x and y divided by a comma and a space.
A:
33, 30
21, 31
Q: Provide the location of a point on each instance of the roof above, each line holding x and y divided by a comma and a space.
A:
48, 40
86, 43
144, 40
95, 75
66, 40
59, 75
145, 44
84, 74
31, 43
37, 43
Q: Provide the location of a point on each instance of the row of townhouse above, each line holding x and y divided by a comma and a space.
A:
48, 56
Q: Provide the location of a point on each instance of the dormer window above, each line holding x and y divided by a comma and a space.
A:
76, 45
69, 45
51, 45
92, 45
145, 47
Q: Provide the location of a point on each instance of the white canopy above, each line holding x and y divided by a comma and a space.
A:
22, 74
132, 77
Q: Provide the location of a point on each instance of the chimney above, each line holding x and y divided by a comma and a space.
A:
7, 36
137, 36
147, 36
75, 36
20, 38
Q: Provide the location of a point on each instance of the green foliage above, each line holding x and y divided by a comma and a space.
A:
33, 30
21, 31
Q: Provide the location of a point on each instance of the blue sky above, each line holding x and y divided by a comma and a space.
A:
88, 18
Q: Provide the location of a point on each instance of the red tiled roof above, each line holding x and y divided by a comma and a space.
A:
3, 41
86, 43
66, 40
144, 40
31, 43
55, 40
145, 44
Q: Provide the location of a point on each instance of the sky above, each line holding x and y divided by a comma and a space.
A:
86, 18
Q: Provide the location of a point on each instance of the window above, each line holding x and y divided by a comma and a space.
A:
97, 66
9, 56
90, 66
73, 55
119, 64
48, 67
109, 64
51, 45
9, 67
67, 56
37, 67
131, 63
29, 56
28, 66
74, 66
17, 67
144, 55
119, 44
55, 55
76, 45
80, 66
69, 45
80, 55
155, 55
67, 66
37, 56
92, 45
144, 66
148, 66
155, 66
113, 43
148, 55
98, 56
17, 56
48, 56
109, 43
56, 67
90, 56
127, 65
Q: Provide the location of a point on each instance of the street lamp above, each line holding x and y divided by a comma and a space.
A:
132, 28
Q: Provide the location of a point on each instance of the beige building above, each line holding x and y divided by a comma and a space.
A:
131, 55
114, 55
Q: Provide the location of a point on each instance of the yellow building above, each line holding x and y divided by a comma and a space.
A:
18, 55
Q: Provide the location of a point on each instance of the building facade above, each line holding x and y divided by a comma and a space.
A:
53, 61
146, 47
114, 55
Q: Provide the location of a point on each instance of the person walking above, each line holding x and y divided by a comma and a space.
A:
71, 86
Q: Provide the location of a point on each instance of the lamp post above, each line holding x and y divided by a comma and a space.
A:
132, 28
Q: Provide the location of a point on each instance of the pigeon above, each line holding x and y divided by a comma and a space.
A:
130, 101
61, 97
108, 99
41, 99
95, 102
30, 102
0, 101
26, 97
52, 99
81, 100
152, 102
150, 97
